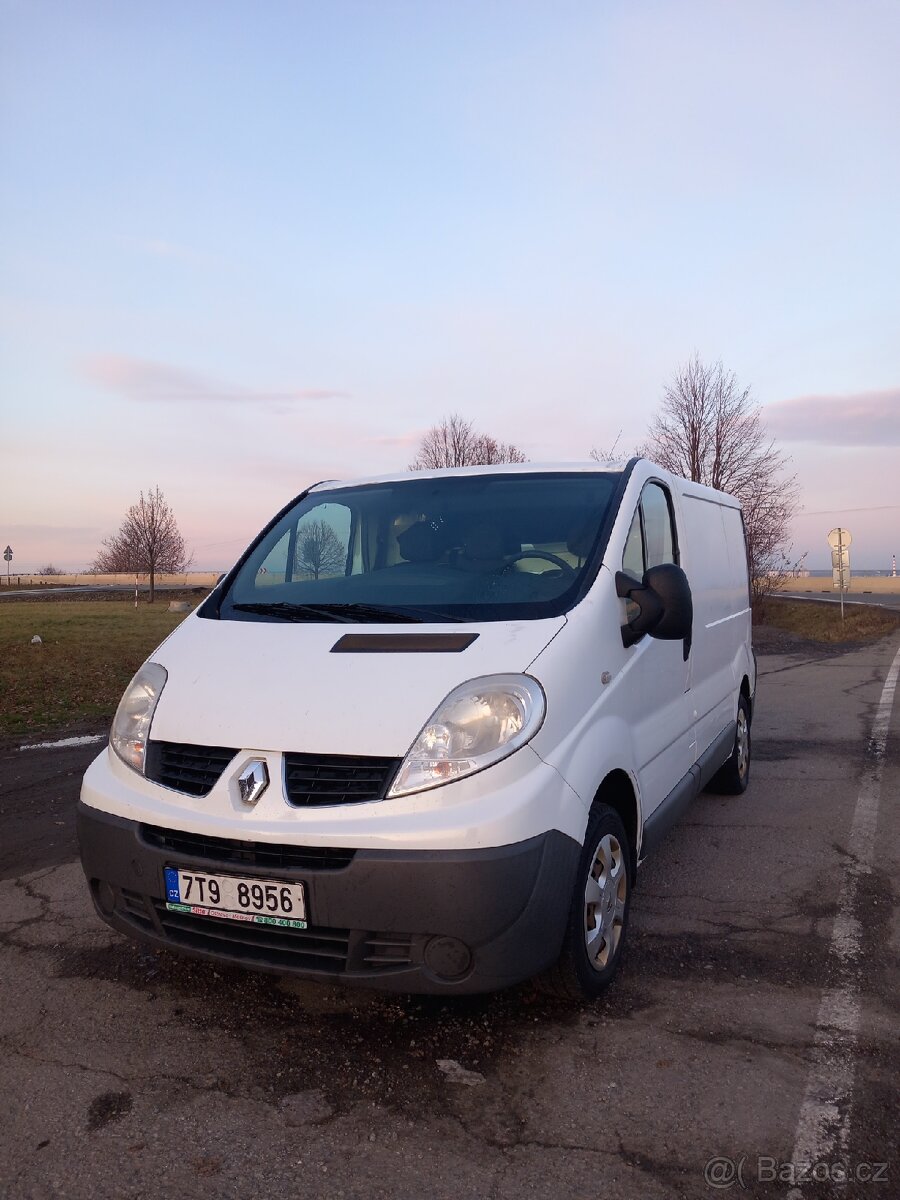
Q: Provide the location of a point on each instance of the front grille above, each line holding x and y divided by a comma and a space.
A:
300, 949
191, 769
331, 951
312, 779
248, 854
319, 949
309, 779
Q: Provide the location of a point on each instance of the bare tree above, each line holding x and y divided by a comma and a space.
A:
148, 541
614, 453
319, 550
49, 569
710, 429
456, 443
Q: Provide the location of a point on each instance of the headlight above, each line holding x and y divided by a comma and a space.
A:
479, 723
131, 724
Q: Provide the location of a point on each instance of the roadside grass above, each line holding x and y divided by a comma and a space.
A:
821, 622
89, 652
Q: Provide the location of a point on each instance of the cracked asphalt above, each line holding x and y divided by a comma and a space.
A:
130, 1073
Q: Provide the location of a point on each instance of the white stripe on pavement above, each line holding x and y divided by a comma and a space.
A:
823, 1126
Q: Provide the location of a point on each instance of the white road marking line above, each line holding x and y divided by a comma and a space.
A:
823, 1125
74, 741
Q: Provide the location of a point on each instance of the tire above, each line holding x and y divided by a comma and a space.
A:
732, 778
598, 916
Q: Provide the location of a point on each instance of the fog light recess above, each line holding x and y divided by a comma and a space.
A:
447, 957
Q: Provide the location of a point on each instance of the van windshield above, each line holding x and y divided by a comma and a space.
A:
448, 548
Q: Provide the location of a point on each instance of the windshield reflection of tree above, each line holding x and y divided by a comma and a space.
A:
319, 550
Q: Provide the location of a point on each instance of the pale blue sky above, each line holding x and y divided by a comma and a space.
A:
246, 246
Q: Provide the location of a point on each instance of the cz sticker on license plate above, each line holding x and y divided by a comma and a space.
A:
236, 898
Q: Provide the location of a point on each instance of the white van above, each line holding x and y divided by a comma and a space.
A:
423, 732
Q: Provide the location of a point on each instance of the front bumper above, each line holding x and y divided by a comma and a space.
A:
439, 921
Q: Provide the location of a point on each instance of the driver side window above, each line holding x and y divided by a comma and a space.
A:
651, 538
659, 534
633, 558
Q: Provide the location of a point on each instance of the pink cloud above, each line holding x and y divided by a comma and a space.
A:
160, 383
862, 419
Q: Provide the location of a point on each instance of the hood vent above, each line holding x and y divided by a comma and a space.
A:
403, 643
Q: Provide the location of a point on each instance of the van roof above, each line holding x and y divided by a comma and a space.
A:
685, 486
527, 468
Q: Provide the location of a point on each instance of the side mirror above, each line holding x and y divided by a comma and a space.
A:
664, 598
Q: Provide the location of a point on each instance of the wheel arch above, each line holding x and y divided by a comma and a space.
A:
744, 690
618, 792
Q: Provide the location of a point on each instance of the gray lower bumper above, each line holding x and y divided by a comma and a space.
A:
450, 921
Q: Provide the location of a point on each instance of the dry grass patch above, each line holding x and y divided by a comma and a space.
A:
821, 622
89, 652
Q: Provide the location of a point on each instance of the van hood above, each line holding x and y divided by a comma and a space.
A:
259, 685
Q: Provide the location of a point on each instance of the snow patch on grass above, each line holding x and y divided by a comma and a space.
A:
66, 742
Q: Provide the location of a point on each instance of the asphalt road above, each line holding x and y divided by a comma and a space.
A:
757, 1007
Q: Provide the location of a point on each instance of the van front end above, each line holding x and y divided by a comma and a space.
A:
422, 893
332, 768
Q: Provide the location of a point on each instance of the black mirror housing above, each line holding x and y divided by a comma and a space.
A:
664, 598
670, 585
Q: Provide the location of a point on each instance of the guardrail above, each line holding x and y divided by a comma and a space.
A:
190, 579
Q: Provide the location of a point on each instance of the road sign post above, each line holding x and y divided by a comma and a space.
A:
839, 540
7, 554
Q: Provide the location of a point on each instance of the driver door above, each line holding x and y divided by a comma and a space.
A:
657, 699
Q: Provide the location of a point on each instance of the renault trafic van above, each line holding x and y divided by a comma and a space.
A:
422, 734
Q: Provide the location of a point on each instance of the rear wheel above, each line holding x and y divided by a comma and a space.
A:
732, 778
598, 917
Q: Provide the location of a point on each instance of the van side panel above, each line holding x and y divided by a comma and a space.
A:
715, 562
737, 553
583, 736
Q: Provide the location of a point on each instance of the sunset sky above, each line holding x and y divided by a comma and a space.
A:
249, 246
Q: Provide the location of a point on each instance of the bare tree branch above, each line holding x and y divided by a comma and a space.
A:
455, 443
319, 550
710, 429
148, 541
603, 454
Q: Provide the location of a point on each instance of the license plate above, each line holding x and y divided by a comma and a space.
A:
236, 898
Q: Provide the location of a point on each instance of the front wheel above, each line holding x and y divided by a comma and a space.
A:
598, 917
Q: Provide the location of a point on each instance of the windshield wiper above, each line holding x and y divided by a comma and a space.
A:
374, 612
291, 612
348, 613
389, 614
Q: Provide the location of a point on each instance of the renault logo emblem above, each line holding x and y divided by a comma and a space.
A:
253, 781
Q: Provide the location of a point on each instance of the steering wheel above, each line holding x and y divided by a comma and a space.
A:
553, 558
